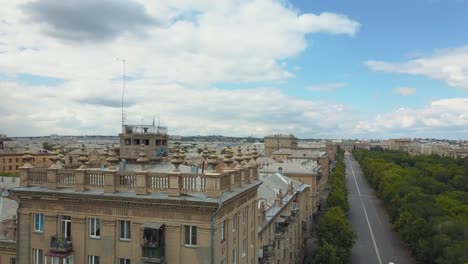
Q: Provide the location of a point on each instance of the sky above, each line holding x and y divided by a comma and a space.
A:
316, 69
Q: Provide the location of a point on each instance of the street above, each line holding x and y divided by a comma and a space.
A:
377, 242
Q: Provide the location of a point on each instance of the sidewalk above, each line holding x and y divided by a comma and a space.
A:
311, 244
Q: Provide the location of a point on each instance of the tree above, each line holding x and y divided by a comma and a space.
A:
335, 229
326, 254
47, 146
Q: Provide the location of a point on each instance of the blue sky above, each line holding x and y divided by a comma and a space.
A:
324, 69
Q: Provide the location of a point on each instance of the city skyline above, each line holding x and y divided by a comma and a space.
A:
313, 69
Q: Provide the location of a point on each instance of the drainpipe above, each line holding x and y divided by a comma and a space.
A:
213, 228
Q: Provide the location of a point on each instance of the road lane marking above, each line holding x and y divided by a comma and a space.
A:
365, 213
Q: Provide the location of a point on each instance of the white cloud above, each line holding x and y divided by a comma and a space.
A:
446, 117
449, 65
326, 87
186, 111
176, 59
404, 91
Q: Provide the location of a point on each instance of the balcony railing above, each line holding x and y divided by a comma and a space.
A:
109, 181
153, 254
61, 243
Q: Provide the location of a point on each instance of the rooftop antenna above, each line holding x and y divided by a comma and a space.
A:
123, 94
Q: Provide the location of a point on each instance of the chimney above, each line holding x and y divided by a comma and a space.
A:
290, 188
279, 199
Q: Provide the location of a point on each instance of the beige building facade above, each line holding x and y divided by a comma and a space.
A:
279, 141
284, 219
109, 216
11, 161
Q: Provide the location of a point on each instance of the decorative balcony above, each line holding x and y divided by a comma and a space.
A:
152, 244
60, 244
268, 251
280, 231
153, 254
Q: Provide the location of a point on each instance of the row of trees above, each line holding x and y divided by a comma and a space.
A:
427, 200
335, 236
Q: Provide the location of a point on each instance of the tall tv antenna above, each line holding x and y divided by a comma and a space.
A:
123, 95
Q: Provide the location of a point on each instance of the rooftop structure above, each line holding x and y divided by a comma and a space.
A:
155, 138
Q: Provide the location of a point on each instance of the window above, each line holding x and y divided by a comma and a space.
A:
16, 159
128, 141
13, 260
124, 230
9, 160
93, 259
124, 261
39, 222
16, 167
136, 142
146, 141
68, 260
234, 256
222, 229
190, 235
243, 216
254, 216
234, 223
94, 228
244, 247
65, 226
37, 256
43, 159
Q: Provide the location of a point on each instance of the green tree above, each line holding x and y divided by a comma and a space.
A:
335, 229
47, 146
326, 254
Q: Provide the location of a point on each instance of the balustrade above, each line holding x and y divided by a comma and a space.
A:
212, 184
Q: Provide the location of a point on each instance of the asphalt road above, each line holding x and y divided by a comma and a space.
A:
377, 242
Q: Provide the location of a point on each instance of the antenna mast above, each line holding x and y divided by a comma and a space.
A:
123, 93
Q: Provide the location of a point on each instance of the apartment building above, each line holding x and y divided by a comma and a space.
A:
279, 141
11, 160
284, 219
90, 215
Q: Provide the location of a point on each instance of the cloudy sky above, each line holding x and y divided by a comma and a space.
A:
322, 69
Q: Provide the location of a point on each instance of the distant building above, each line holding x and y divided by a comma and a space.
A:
279, 141
11, 160
154, 138
402, 144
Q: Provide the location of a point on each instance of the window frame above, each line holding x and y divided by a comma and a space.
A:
234, 256
38, 255
125, 228
234, 223
244, 247
94, 228
125, 261
222, 229
93, 259
192, 233
39, 220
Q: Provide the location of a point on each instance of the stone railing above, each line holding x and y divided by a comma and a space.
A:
139, 182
